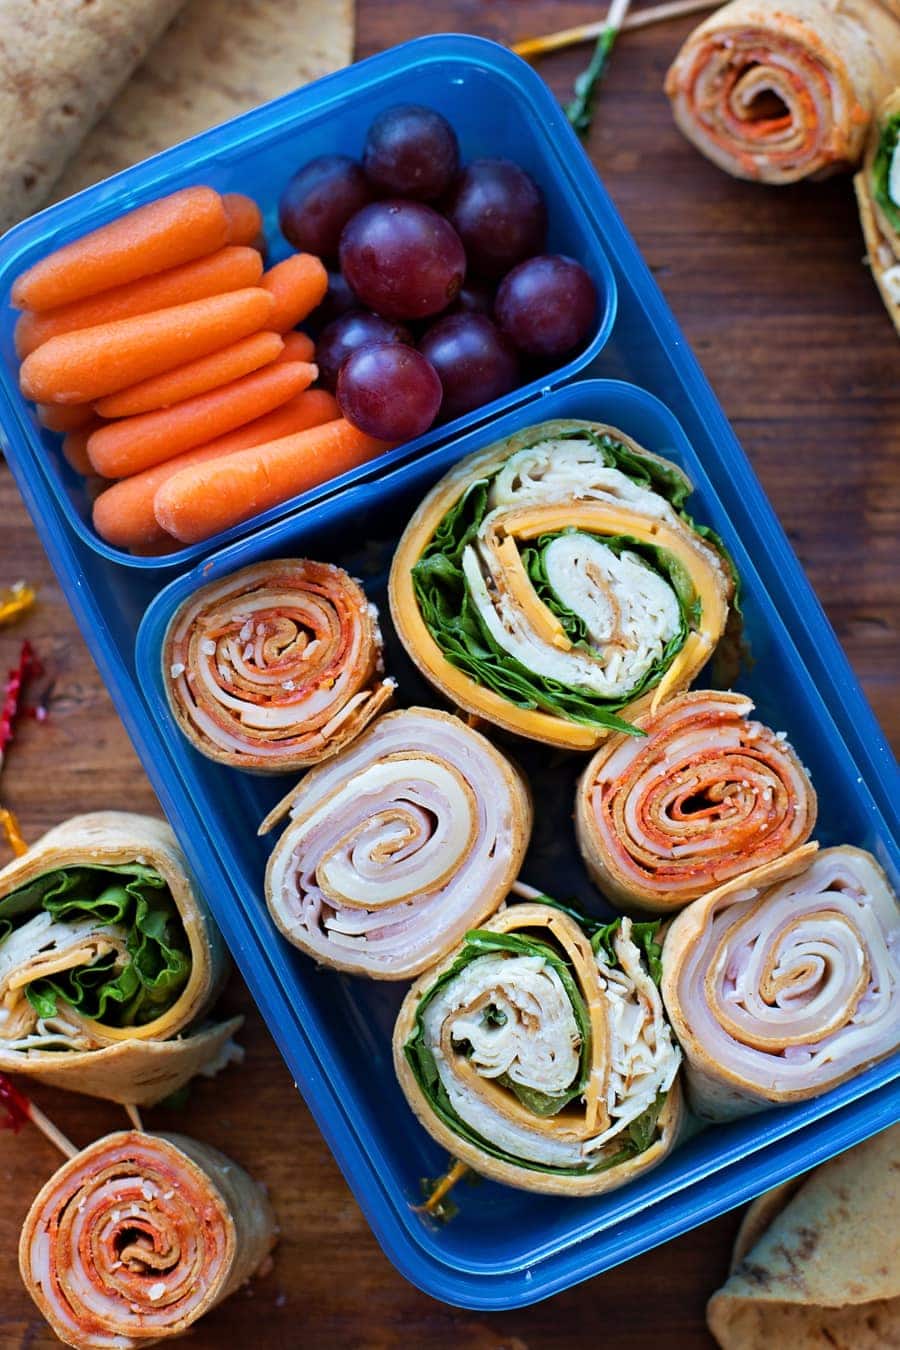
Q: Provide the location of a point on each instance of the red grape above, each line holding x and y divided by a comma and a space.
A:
498, 212
389, 391
474, 361
547, 305
319, 200
476, 297
411, 151
402, 259
347, 334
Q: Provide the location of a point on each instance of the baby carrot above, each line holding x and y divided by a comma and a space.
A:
154, 237
123, 513
55, 417
74, 448
135, 443
244, 218
228, 269
197, 377
298, 347
87, 365
200, 501
298, 284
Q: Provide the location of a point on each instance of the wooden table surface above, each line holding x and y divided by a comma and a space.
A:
771, 291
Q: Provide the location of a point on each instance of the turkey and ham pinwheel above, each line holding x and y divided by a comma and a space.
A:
541, 1057
779, 90
707, 795
397, 846
137, 1236
275, 667
108, 961
553, 585
878, 194
786, 981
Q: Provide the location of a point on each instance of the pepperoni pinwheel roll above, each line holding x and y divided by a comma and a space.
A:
139, 1235
553, 585
398, 845
783, 91
785, 981
109, 962
541, 1057
706, 795
275, 667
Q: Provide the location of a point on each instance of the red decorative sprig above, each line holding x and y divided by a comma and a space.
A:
16, 680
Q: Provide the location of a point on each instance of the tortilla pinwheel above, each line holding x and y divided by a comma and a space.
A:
553, 584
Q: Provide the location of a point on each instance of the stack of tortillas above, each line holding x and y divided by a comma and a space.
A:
817, 1263
70, 115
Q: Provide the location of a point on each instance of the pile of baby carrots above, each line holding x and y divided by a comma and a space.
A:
165, 354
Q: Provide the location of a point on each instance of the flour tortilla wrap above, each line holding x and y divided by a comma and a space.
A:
707, 794
275, 667
140, 1040
61, 65
541, 1057
553, 584
396, 846
138, 1236
780, 90
786, 981
879, 213
823, 1267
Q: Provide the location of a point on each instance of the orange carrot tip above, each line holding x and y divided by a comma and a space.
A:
196, 377
298, 285
244, 218
56, 417
74, 448
298, 347
164, 233
228, 269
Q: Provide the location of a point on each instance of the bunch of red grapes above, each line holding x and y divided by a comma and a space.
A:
432, 309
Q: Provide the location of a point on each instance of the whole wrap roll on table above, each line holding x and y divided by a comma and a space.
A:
138, 1235
780, 90
109, 962
541, 1057
785, 981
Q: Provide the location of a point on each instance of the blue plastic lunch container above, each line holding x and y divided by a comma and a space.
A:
505, 1248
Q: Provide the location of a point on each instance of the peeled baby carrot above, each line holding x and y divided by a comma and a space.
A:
135, 443
55, 417
74, 448
123, 513
298, 284
228, 269
197, 377
244, 218
87, 365
200, 501
162, 234
298, 347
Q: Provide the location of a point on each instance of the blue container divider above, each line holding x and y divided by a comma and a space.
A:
506, 1248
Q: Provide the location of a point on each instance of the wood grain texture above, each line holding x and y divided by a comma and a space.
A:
771, 291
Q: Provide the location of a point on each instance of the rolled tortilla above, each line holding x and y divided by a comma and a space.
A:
138, 1236
397, 846
109, 961
877, 188
820, 1262
541, 1059
779, 90
63, 65
785, 981
707, 795
275, 667
553, 585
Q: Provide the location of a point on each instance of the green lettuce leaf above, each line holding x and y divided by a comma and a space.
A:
881, 169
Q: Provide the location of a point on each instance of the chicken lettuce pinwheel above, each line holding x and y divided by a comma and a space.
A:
108, 962
275, 667
553, 584
137, 1236
785, 981
398, 845
878, 193
707, 795
541, 1057
779, 90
